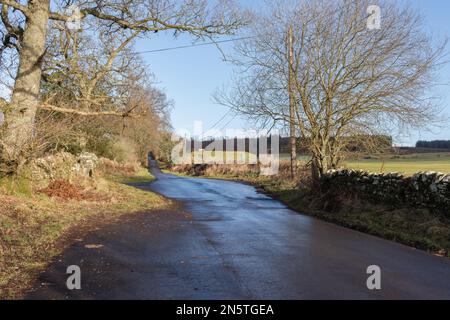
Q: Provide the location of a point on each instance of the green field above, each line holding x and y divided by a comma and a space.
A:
407, 166
212, 157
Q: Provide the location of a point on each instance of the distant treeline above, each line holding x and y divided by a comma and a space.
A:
436, 144
357, 143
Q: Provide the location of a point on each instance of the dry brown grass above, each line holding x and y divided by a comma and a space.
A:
34, 228
238, 170
108, 167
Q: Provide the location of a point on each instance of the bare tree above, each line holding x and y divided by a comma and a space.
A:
147, 132
86, 75
350, 80
195, 17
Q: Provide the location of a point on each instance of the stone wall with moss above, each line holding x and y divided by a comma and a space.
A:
424, 189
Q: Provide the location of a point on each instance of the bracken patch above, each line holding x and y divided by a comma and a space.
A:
65, 190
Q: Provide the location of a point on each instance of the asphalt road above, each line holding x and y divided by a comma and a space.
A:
228, 241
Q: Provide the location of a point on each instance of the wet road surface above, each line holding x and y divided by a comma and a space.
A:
230, 242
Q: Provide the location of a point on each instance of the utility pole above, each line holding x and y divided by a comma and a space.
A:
293, 139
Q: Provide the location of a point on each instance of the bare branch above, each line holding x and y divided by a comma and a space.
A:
17, 6
49, 107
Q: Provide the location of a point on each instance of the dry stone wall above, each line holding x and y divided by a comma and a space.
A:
424, 189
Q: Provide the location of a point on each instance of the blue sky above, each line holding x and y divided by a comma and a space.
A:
190, 76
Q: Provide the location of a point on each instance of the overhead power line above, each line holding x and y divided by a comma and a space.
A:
195, 45
220, 41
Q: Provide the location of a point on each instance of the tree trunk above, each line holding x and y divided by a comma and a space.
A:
319, 167
25, 98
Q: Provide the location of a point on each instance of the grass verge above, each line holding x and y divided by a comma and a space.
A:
143, 175
35, 228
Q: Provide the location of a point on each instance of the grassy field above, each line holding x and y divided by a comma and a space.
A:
410, 164
407, 164
222, 156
